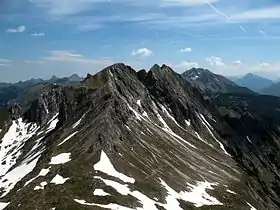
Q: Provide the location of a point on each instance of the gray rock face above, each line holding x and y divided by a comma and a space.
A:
182, 152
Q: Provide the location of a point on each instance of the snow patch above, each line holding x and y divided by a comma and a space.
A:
197, 195
188, 122
15, 175
3, 205
67, 138
168, 130
100, 192
252, 207
104, 165
52, 123
41, 187
229, 191
43, 172
60, 159
139, 103
209, 128
58, 180
12, 143
124, 190
78, 122
112, 206
247, 137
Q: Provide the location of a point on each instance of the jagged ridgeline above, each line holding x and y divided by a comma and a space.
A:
123, 139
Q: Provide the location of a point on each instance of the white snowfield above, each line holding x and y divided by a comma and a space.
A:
112, 206
3, 205
104, 165
12, 143
58, 180
61, 159
196, 195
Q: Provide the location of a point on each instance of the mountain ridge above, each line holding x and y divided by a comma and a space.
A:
168, 146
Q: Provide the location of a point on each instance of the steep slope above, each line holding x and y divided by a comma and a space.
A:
273, 89
257, 119
254, 82
126, 140
210, 83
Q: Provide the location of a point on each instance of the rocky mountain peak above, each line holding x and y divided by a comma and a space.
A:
138, 140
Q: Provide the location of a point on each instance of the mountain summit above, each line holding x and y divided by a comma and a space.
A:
253, 82
210, 83
123, 139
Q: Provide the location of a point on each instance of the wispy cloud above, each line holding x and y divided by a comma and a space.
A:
187, 49
258, 14
37, 34
5, 62
65, 7
186, 2
34, 62
89, 27
72, 56
224, 15
185, 65
142, 53
215, 61
2, 60
237, 62
18, 29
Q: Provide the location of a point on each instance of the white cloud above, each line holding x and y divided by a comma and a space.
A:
215, 61
2, 60
258, 14
237, 62
72, 56
142, 53
89, 27
65, 7
34, 62
265, 65
187, 49
4, 65
262, 32
19, 29
5, 62
65, 53
186, 2
187, 65
38, 34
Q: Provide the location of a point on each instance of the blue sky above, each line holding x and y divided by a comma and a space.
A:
41, 38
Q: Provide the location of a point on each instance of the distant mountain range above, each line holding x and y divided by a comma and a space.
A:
19, 90
253, 81
258, 84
